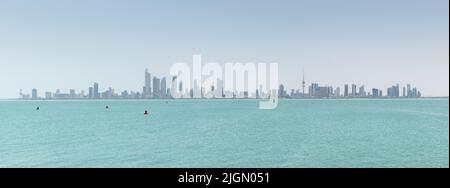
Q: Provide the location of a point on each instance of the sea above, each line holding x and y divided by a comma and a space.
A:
302, 133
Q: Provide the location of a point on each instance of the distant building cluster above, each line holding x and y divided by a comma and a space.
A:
156, 88
317, 91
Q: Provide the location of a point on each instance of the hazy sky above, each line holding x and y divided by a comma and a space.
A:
70, 44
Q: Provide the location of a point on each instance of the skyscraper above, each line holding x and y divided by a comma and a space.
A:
34, 93
375, 92
346, 90
281, 91
414, 92
353, 90
196, 91
408, 90
313, 89
163, 87
156, 87
174, 89
96, 93
180, 88
219, 90
147, 90
124, 94
396, 90
393, 91
91, 92
362, 92
322, 92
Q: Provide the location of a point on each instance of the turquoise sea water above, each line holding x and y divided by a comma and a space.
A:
225, 133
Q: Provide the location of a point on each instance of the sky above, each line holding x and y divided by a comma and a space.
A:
69, 44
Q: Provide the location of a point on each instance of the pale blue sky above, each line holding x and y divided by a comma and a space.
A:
70, 44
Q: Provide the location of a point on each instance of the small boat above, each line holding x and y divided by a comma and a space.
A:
146, 112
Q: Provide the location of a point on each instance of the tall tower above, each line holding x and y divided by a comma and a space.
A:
156, 87
174, 90
163, 87
96, 93
147, 85
303, 83
34, 93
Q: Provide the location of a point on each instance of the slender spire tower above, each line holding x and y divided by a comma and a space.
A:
303, 83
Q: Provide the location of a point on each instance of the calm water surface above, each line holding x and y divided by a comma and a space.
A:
225, 133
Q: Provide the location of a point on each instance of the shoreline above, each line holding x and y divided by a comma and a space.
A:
261, 99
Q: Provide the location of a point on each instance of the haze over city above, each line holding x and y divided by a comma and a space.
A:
66, 45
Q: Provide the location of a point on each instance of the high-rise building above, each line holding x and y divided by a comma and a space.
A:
353, 90
91, 92
313, 89
219, 91
408, 90
109, 93
174, 90
346, 90
330, 91
362, 92
338, 92
375, 92
96, 93
281, 91
34, 93
396, 90
196, 91
124, 94
163, 87
322, 92
393, 91
191, 93
147, 89
156, 87
404, 92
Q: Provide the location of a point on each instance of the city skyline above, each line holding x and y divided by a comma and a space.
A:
156, 88
53, 44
